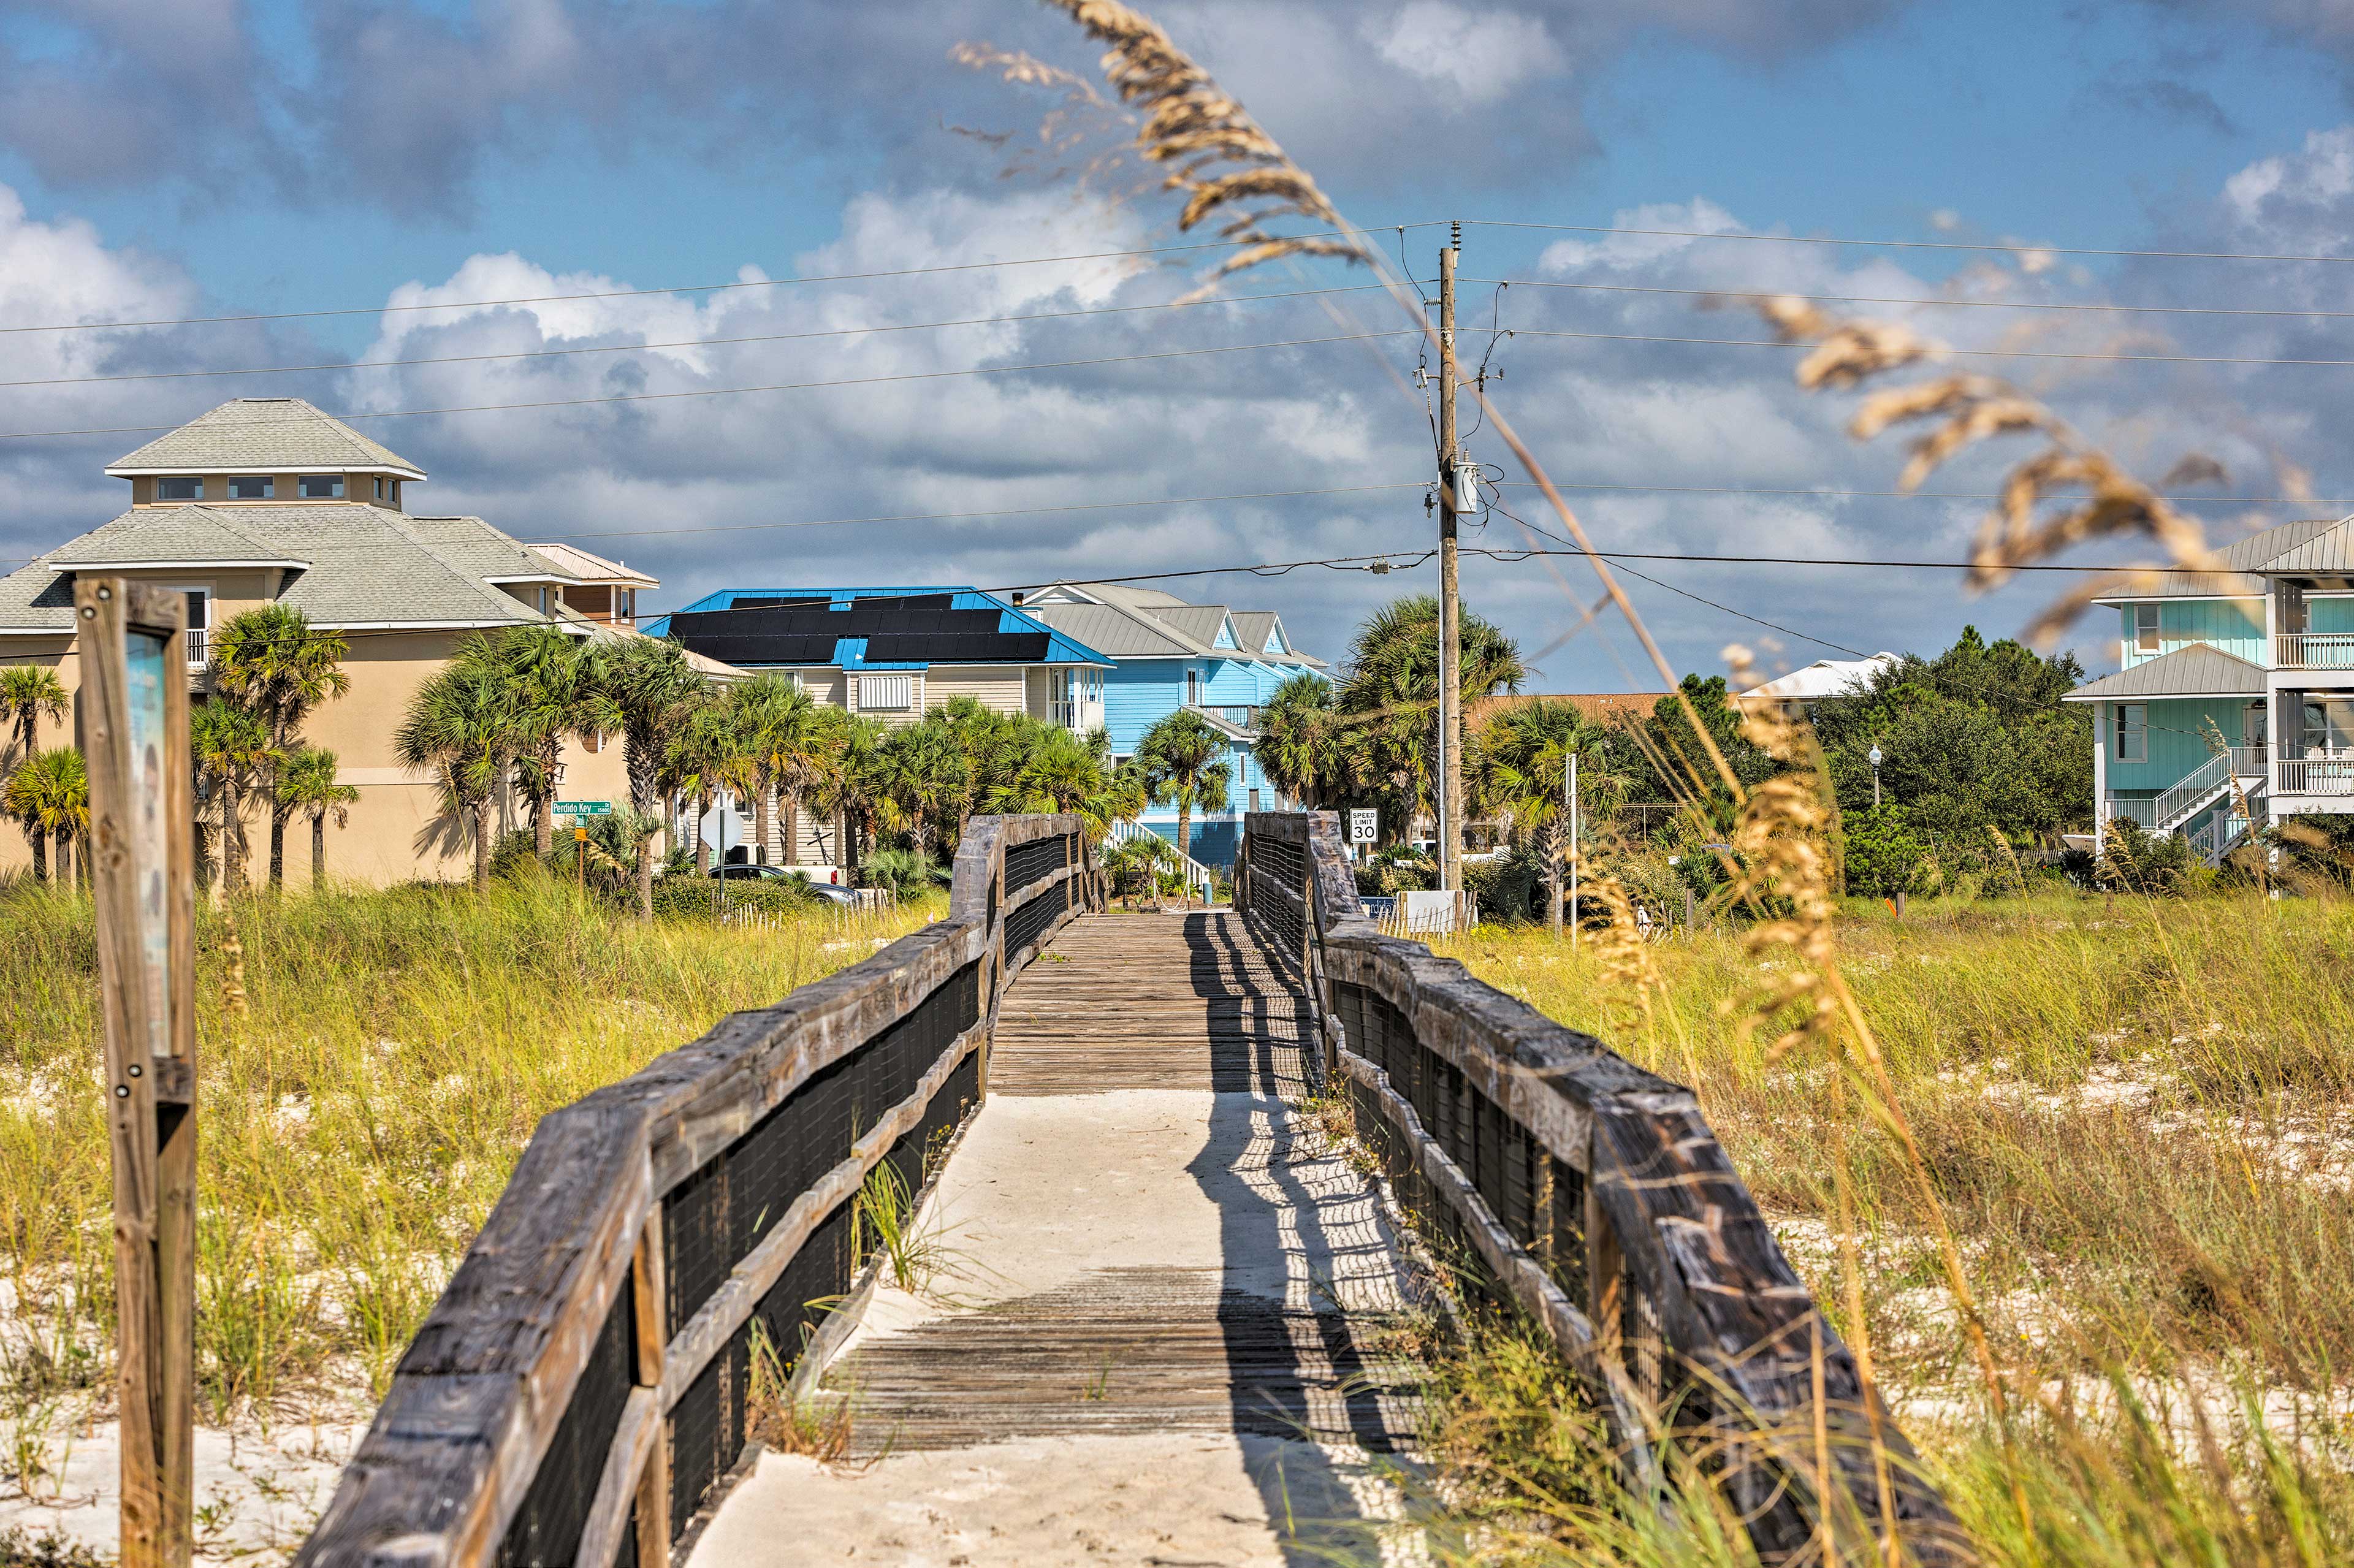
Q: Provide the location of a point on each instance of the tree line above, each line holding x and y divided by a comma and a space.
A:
1980, 759
489, 728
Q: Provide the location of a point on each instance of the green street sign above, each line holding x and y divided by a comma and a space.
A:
584, 807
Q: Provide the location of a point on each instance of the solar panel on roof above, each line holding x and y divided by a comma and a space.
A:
907, 600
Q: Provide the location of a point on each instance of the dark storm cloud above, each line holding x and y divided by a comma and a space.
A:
400, 103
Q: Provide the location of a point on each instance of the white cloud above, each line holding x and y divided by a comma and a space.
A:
2322, 174
1480, 56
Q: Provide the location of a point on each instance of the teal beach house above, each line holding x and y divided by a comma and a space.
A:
2234, 702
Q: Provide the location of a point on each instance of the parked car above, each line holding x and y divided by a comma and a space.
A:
741, 871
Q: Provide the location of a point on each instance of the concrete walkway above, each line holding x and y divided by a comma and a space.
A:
1168, 1328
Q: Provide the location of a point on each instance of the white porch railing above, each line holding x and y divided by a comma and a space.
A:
2248, 761
2194, 789
1198, 878
2315, 775
2314, 650
2142, 812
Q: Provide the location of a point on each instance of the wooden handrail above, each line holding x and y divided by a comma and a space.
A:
1574, 1143
485, 1391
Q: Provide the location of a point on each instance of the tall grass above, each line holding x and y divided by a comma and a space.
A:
2134, 1113
359, 1117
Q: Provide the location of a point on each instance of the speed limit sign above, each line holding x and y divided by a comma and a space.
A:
1365, 825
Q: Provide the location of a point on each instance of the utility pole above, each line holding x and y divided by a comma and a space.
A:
1569, 784
1450, 611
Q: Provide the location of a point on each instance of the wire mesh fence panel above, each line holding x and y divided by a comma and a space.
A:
546, 1530
718, 1191
1561, 1181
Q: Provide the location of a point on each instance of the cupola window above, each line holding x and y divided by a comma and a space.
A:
252, 487
179, 487
323, 487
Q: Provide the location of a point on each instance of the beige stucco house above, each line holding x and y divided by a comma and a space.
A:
268, 499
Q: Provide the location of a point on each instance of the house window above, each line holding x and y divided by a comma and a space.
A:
1062, 705
2146, 628
2329, 726
179, 487
1254, 800
886, 694
252, 487
323, 487
629, 602
380, 488
396, 492
199, 619
1192, 688
2133, 732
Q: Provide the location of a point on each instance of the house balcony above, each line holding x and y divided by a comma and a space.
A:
2315, 771
2313, 651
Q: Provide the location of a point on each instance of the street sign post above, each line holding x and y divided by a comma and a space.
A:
132, 643
583, 808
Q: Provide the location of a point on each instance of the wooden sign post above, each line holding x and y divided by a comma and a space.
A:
134, 738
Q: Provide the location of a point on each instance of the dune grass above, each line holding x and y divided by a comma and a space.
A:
2136, 1116
359, 1118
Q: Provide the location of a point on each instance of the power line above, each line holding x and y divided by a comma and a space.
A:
1912, 495
2010, 248
1968, 352
736, 284
1736, 295
681, 343
733, 391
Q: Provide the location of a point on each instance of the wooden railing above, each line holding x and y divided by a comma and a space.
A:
1594, 1197
581, 1387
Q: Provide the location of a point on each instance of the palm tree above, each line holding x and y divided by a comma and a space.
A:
308, 783
853, 788
1388, 731
230, 747
794, 744
1299, 740
926, 780
29, 693
652, 690
269, 658
550, 679
1185, 765
461, 729
49, 796
705, 757
1528, 749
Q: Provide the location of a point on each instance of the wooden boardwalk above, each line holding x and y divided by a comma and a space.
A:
1161, 1276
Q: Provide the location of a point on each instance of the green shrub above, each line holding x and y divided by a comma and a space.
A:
693, 897
908, 873
1884, 857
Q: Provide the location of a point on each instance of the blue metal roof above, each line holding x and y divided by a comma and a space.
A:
850, 652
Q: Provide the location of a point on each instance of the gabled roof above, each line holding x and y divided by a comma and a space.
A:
2329, 552
2195, 671
262, 435
2311, 547
909, 627
1826, 678
1145, 623
348, 563
593, 568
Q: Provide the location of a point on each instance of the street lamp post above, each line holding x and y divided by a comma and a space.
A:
1874, 759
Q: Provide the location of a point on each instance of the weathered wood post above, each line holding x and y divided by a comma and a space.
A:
134, 739
652, 1311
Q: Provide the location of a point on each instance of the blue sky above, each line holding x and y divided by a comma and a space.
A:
218, 157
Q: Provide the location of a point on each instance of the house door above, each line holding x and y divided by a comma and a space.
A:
2252, 725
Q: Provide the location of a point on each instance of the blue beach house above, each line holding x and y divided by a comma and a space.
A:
1166, 654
